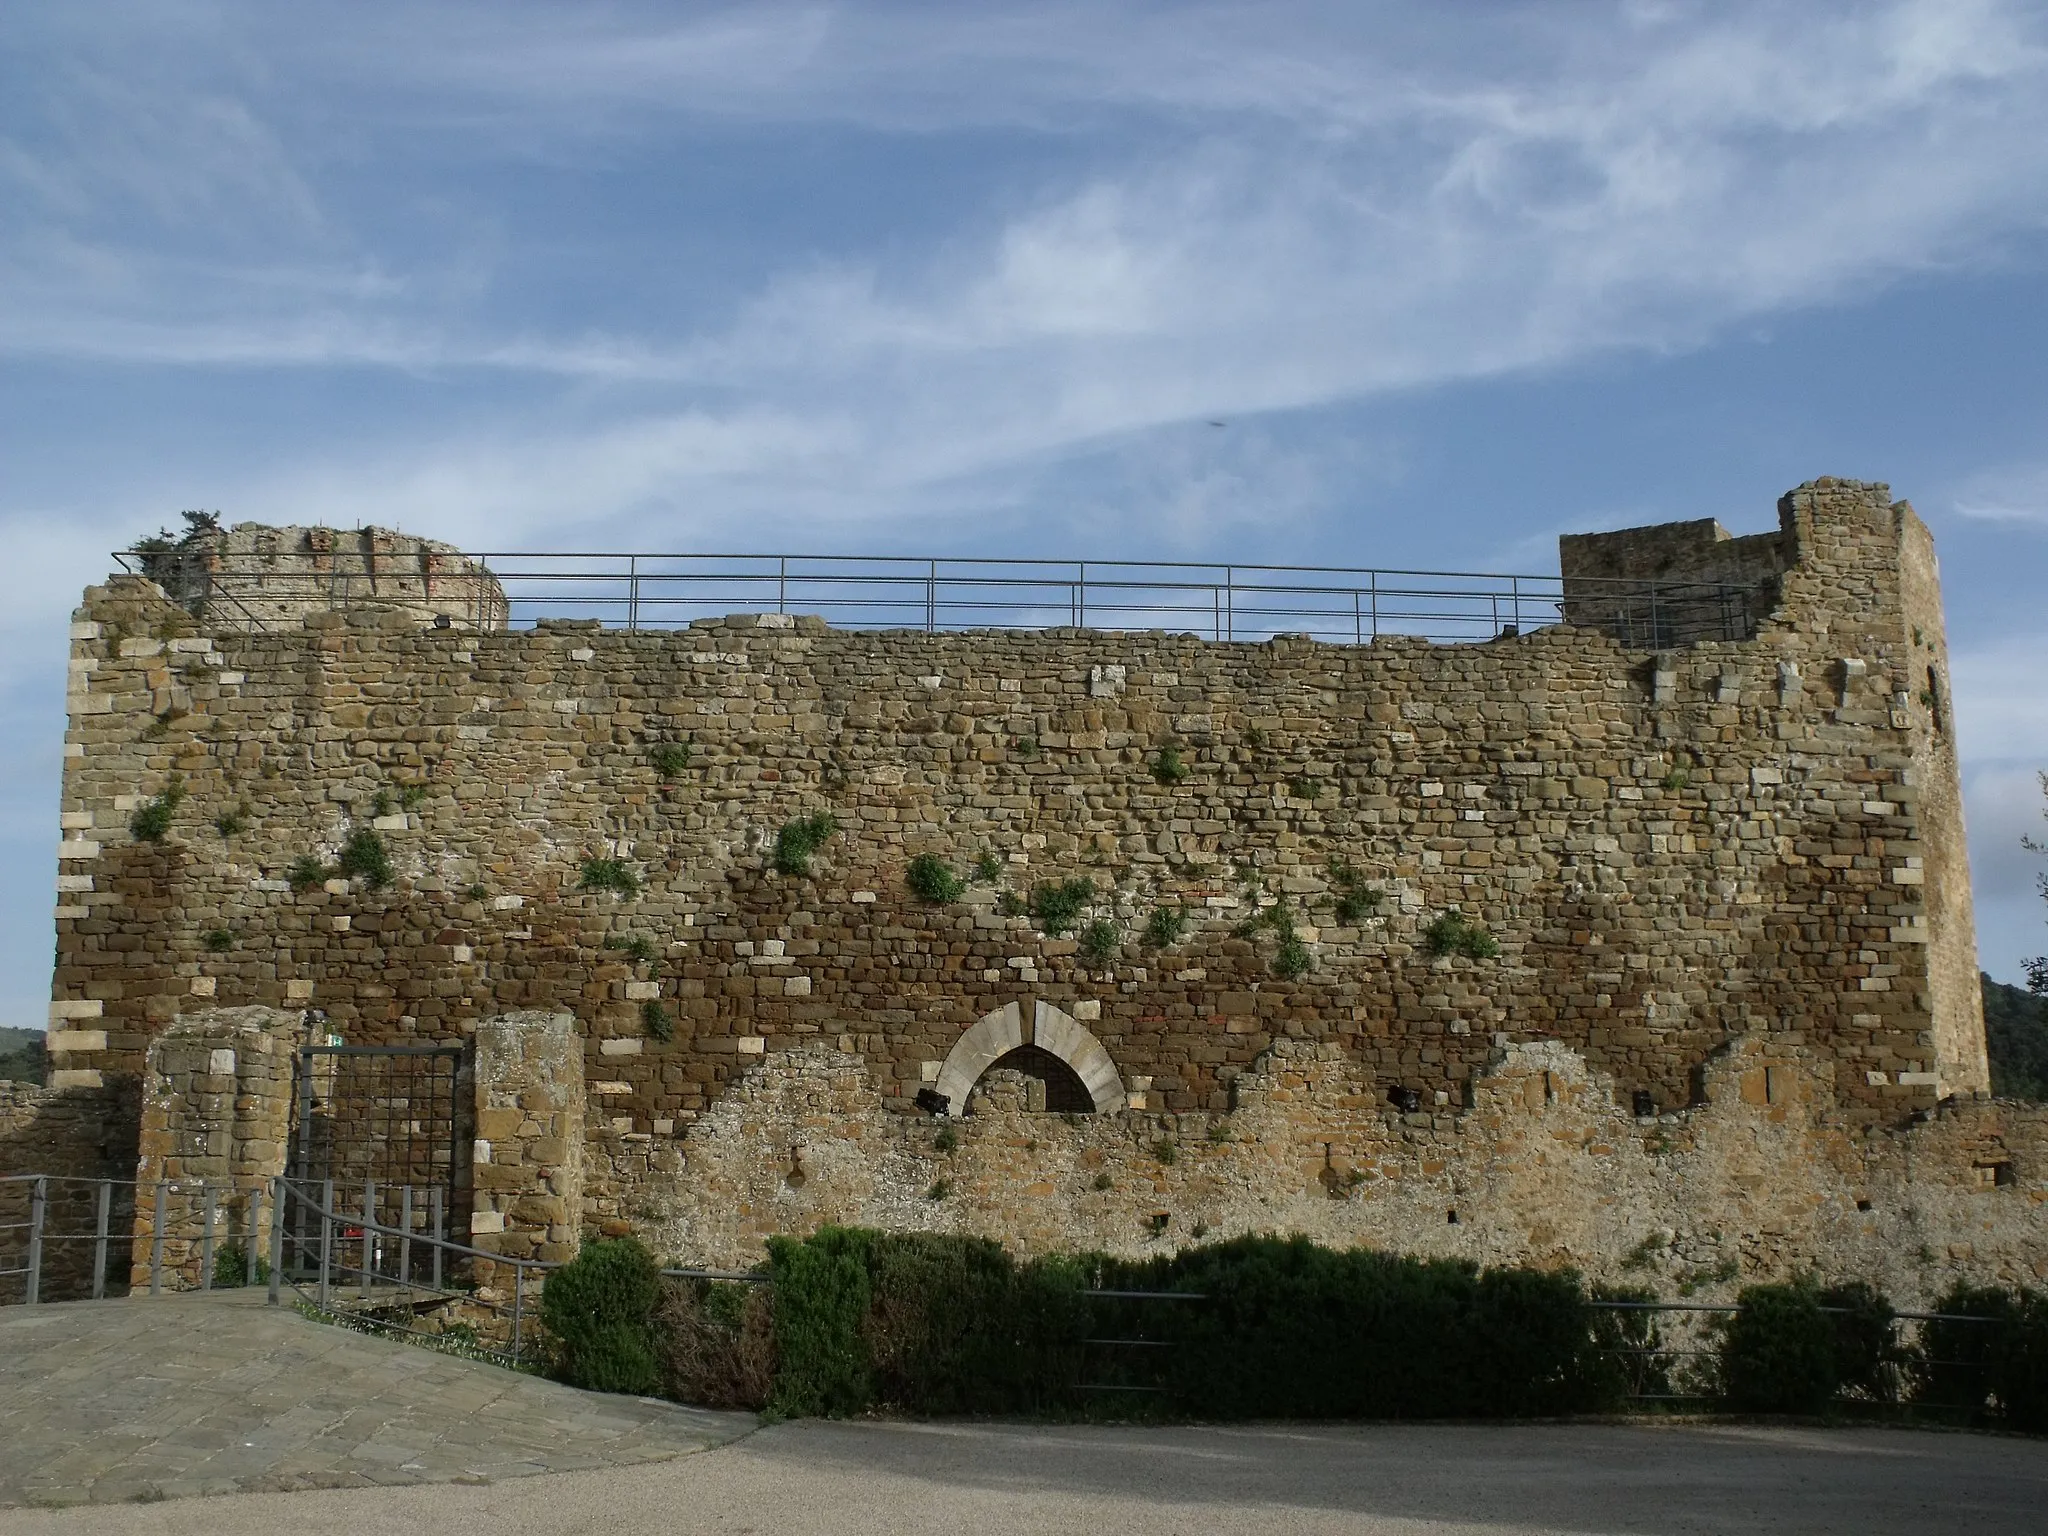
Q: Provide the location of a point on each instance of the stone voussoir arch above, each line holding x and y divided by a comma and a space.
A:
994, 1035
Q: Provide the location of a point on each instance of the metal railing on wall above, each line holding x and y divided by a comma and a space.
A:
1348, 605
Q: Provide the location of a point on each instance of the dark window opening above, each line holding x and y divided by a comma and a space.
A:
1065, 1093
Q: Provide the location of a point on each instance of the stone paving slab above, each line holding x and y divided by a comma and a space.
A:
154, 1398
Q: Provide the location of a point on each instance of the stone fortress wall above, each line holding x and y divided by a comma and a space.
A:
1731, 1027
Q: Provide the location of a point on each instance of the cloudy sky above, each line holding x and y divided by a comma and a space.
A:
970, 279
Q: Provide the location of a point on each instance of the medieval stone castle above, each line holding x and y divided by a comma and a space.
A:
1591, 944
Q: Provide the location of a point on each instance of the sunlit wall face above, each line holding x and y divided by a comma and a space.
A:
1363, 286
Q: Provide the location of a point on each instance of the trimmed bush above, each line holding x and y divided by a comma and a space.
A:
715, 1343
1779, 1352
600, 1308
1959, 1361
1866, 1341
822, 1293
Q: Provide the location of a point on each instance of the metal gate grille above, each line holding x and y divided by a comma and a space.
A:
376, 1126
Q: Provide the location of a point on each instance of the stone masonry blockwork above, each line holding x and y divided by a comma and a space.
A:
1713, 847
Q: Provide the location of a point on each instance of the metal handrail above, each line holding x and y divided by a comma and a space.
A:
1224, 602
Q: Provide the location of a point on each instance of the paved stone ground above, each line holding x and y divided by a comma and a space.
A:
1376, 1480
148, 1399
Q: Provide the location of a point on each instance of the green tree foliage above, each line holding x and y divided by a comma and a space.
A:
600, 1308
1778, 1353
2016, 1037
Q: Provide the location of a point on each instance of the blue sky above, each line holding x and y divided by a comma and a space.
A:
969, 279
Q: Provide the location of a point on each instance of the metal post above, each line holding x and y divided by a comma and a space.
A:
632, 592
782, 584
405, 1237
277, 1198
105, 1203
1357, 620
1081, 599
206, 1207
326, 1239
518, 1302
1375, 605
369, 1242
38, 1200
438, 1217
255, 1225
931, 596
156, 1244
1230, 602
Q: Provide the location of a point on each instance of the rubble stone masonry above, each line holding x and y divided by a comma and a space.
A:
1702, 865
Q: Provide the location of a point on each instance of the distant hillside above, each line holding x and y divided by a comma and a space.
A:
21, 1056
2016, 1034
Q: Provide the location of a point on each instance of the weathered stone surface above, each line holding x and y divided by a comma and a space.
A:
1684, 848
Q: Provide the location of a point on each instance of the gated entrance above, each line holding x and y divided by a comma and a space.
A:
378, 1126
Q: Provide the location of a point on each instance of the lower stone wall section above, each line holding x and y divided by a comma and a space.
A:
76, 1137
216, 1116
1760, 1180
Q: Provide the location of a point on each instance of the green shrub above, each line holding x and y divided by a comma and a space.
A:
1167, 767
231, 1267
635, 947
1453, 933
2023, 1375
1058, 906
218, 941
1778, 1353
364, 854
233, 823
614, 875
1356, 900
600, 1307
1294, 1330
412, 796
822, 1293
988, 867
669, 760
1099, 943
1164, 927
800, 839
1291, 960
656, 1022
931, 879
1986, 1352
1627, 1358
381, 803
152, 819
306, 872
1866, 1340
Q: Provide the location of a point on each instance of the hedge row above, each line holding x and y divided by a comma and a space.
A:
858, 1320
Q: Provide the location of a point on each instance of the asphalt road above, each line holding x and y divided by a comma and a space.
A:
990, 1479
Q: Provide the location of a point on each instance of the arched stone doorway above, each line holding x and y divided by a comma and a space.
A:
1060, 1048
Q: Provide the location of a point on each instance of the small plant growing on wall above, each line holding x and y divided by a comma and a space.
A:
1167, 766
1291, 959
382, 803
800, 839
152, 819
614, 875
1058, 905
940, 1189
946, 1140
669, 758
306, 872
1165, 926
1356, 900
1104, 1182
636, 947
1164, 1152
1099, 943
218, 941
1453, 933
412, 796
931, 879
365, 856
233, 823
988, 867
1305, 788
655, 1021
